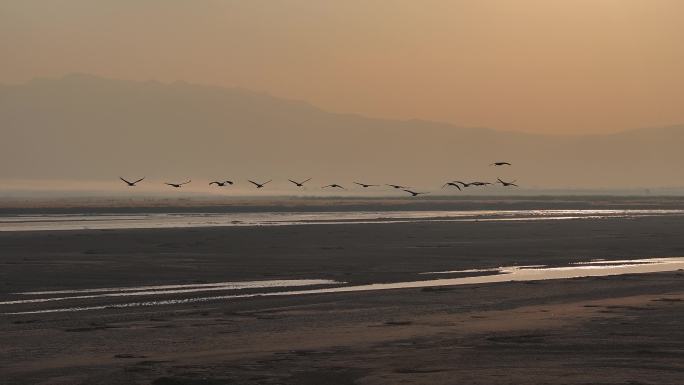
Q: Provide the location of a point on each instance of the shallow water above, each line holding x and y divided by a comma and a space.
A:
179, 220
165, 289
592, 268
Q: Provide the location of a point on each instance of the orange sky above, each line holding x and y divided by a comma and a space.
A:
554, 66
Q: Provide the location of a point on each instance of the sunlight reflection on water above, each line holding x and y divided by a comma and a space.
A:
593, 268
180, 220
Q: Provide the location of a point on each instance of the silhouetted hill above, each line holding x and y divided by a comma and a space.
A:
85, 127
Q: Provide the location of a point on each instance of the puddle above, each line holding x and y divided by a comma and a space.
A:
593, 268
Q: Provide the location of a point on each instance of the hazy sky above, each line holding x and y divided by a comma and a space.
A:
555, 66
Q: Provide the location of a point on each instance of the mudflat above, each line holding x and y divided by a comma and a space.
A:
620, 329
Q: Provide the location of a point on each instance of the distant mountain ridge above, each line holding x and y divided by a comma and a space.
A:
86, 127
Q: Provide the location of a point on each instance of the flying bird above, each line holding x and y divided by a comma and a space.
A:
415, 194
258, 185
334, 185
221, 184
397, 186
500, 164
131, 184
480, 183
178, 185
506, 184
455, 184
299, 184
364, 185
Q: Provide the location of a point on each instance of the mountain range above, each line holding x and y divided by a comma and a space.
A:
83, 127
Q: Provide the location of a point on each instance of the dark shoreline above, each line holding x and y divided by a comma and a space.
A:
585, 330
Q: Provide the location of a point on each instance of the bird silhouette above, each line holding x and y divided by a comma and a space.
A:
415, 194
364, 185
455, 184
500, 164
178, 185
221, 184
299, 184
506, 184
131, 184
479, 183
334, 185
397, 186
258, 185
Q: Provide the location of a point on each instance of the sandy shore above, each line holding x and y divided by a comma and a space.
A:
612, 330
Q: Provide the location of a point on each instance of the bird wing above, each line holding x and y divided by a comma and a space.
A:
293, 182
304, 181
124, 180
216, 183
186, 182
268, 181
253, 182
139, 180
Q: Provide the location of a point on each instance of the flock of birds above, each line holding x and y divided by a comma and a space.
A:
455, 184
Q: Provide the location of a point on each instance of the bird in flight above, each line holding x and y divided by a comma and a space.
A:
258, 185
131, 184
397, 186
506, 184
299, 184
177, 185
415, 194
364, 185
334, 185
221, 184
500, 164
455, 184
480, 183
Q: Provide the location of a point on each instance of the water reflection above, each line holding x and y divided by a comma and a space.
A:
129, 221
166, 289
592, 268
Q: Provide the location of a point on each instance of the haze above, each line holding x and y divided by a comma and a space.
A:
86, 128
554, 67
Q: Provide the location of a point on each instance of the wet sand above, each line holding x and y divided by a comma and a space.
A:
614, 330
